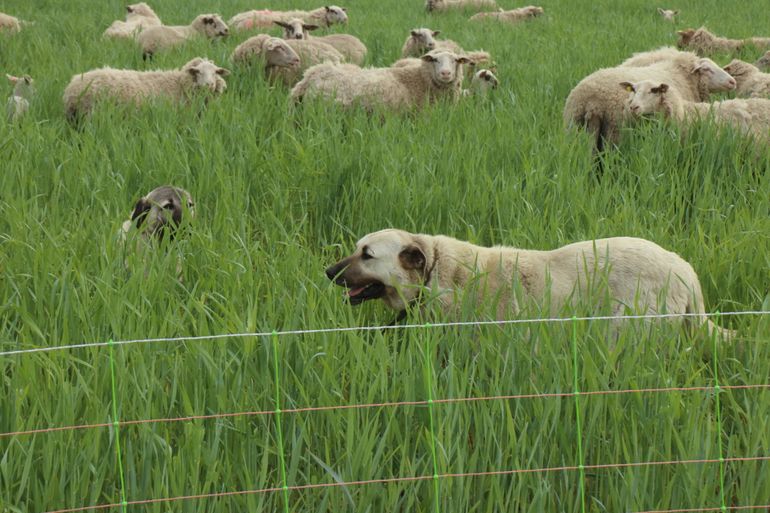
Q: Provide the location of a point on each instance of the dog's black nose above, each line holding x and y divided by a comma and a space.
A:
331, 272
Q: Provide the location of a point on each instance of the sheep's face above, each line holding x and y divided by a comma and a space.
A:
161, 212
533, 11
668, 14
445, 67
207, 75
712, 77
278, 53
645, 97
140, 9
764, 61
295, 28
484, 81
335, 14
685, 36
211, 25
430, 5
739, 69
23, 86
423, 39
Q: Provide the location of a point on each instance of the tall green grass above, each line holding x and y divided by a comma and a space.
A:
280, 196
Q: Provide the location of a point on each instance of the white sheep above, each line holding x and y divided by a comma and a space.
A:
597, 104
704, 42
482, 82
668, 14
445, 5
138, 17
137, 87
351, 48
323, 16
159, 37
764, 61
422, 40
512, 16
18, 103
415, 82
10, 23
648, 97
285, 60
751, 82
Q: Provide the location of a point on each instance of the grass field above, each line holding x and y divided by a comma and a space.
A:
279, 197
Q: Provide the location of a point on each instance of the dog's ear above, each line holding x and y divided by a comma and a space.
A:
412, 257
140, 211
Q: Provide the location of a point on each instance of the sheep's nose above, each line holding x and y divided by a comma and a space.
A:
634, 108
732, 83
298, 36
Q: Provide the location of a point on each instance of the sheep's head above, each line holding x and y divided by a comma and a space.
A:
685, 36
206, 75
445, 67
160, 212
23, 86
645, 97
711, 77
423, 39
484, 81
140, 9
334, 14
668, 14
739, 69
764, 61
211, 25
295, 28
278, 53
430, 5
533, 10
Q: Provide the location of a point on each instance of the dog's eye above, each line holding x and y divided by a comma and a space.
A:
169, 206
365, 254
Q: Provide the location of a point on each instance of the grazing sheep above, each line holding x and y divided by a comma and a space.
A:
157, 217
512, 16
153, 39
764, 61
323, 16
415, 82
422, 40
651, 96
445, 5
704, 42
18, 103
285, 59
668, 14
9, 23
351, 48
482, 83
751, 83
597, 104
137, 87
138, 17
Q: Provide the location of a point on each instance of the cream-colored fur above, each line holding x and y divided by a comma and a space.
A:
634, 275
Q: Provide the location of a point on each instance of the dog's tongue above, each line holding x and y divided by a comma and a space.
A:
355, 292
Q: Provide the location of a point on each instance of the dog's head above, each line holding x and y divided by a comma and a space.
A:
160, 212
391, 265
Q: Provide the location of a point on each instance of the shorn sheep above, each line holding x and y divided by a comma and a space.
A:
138, 17
323, 16
415, 82
512, 16
285, 60
598, 104
351, 48
751, 82
445, 5
651, 96
668, 14
136, 87
18, 103
156, 38
703, 42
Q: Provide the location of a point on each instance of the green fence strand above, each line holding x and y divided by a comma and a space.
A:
278, 423
577, 416
116, 425
717, 391
429, 381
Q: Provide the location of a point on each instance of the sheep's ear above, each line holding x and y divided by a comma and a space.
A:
194, 72
309, 27
428, 58
344, 9
436, 32
660, 11
464, 60
676, 12
328, 9
686, 35
129, 8
282, 24
628, 86
412, 257
11, 78
414, 33
223, 72
140, 211
662, 88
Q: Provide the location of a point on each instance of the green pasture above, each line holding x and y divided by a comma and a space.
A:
281, 194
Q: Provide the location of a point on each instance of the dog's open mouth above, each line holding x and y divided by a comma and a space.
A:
358, 295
